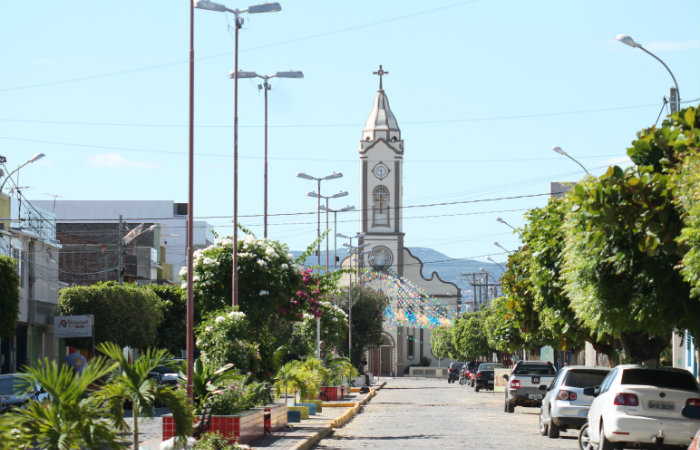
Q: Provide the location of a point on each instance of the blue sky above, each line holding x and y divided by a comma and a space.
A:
481, 91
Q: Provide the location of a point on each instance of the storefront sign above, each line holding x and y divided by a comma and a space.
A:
73, 326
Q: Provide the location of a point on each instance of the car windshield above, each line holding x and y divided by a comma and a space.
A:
660, 378
490, 367
9, 385
584, 378
535, 369
164, 369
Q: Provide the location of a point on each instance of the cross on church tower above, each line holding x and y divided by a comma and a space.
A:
381, 72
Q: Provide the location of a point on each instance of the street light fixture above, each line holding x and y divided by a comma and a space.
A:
558, 149
502, 247
266, 87
675, 96
254, 9
332, 176
499, 266
34, 158
335, 230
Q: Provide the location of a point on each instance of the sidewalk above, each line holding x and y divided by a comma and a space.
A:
307, 433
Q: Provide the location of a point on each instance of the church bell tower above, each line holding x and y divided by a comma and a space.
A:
381, 175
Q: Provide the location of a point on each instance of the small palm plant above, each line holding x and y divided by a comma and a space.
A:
72, 417
288, 378
130, 381
313, 375
341, 368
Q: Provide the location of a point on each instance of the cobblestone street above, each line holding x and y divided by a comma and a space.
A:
413, 413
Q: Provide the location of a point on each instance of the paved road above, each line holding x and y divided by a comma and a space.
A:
413, 413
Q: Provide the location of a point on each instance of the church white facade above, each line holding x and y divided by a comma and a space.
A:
381, 153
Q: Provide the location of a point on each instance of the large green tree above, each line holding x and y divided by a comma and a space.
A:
127, 314
9, 296
367, 319
172, 330
469, 336
441, 343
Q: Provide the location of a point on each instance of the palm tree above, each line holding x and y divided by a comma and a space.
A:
70, 418
288, 378
130, 381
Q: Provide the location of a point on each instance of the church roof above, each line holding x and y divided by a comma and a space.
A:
381, 118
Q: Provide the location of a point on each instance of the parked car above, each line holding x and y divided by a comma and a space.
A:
168, 374
524, 381
565, 406
11, 392
483, 379
644, 406
470, 372
453, 371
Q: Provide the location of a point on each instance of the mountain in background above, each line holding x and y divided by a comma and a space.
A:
461, 272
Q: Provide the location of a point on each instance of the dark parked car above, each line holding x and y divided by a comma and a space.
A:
484, 376
168, 374
11, 392
453, 371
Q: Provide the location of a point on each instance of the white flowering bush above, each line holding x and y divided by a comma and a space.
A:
222, 338
334, 326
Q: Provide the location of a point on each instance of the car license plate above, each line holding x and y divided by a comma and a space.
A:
656, 404
535, 396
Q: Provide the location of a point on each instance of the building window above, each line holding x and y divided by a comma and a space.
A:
411, 351
380, 210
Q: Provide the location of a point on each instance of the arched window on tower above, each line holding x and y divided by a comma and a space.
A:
380, 210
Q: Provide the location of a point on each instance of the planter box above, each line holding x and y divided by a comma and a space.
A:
244, 427
304, 410
275, 416
332, 393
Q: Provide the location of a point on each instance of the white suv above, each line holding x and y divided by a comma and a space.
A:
642, 406
523, 388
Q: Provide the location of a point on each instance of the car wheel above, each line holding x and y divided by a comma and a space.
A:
510, 407
584, 439
476, 388
544, 429
604, 443
553, 429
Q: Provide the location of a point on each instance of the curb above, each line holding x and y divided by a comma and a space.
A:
313, 439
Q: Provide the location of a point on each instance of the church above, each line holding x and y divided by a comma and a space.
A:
381, 240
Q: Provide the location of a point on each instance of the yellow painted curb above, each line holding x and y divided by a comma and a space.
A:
313, 439
339, 405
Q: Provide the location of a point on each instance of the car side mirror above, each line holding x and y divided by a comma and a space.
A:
505, 376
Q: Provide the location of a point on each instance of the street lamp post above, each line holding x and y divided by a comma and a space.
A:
319, 196
499, 266
318, 206
558, 149
29, 161
335, 230
254, 9
352, 252
675, 96
266, 87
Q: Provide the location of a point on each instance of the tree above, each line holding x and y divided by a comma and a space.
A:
621, 257
9, 296
441, 343
469, 336
367, 319
130, 381
171, 333
70, 418
127, 314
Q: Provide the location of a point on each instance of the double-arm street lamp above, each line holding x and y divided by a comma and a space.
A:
255, 9
675, 96
266, 87
335, 230
318, 206
503, 248
29, 161
499, 266
319, 197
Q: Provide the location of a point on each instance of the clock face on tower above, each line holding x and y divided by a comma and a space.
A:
380, 258
381, 170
